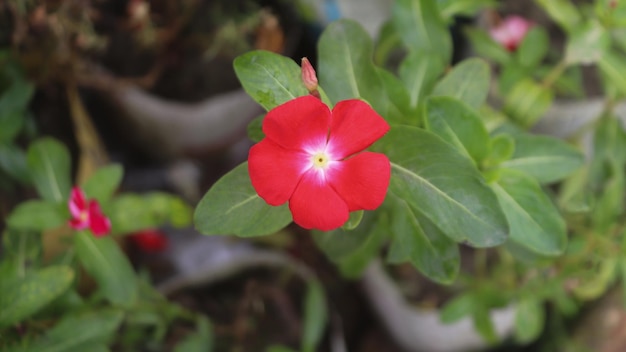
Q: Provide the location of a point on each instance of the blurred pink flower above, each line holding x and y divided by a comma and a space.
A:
87, 214
510, 32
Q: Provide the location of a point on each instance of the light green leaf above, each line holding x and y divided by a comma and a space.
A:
502, 148
270, 79
315, 316
458, 308
419, 71
132, 212
37, 215
468, 81
422, 28
563, 12
345, 65
459, 125
21, 298
451, 8
354, 220
108, 265
433, 177
104, 182
534, 221
613, 68
587, 44
545, 158
527, 102
417, 240
533, 47
49, 164
529, 320
232, 206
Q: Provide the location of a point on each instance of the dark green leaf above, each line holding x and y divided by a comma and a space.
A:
103, 259
545, 158
346, 69
533, 219
398, 107
37, 215
104, 182
13, 162
232, 206
458, 308
255, 129
49, 163
459, 125
86, 331
22, 298
200, 341
444, 186
270, 79
422, 28
468, 81
417, 240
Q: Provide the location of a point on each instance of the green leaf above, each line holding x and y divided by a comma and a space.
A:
49, 163
20, 299
502, 148
451, 8
13, 162
22, 252
468, 81
533, 47
81, 332
419, 71
609, 207
529, 320
398, 107
199, 341
486, 47
545, 158
315, 316
232, 206
422, 28
574, 193
459, 125
345, 65
458, 308
255, 129
563, 12
587, 44
104, 182
387, 43
131, 212
444, 186
527, 102
103, 259
354, 220
353, 250
484, 325
417, 240
533, 219
613, 68
10, 125
270, 79
37, 215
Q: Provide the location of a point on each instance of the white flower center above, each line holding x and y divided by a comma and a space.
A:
320, 160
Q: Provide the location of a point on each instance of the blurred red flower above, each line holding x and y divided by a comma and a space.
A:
87, 214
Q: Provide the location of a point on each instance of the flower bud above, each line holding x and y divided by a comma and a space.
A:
510, 32
309, 77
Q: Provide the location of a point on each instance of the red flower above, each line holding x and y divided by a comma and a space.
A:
314, 159
87, 214
150, 240
510, 32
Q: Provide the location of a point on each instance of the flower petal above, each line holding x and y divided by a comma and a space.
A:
354, 127
98, 223
298, 123
78, 223
315, 205
362, 180
275, 171
77, 202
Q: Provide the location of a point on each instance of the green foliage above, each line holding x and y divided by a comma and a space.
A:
49, 166
232, 206
468, 81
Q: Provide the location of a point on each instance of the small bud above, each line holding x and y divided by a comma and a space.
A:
309, 77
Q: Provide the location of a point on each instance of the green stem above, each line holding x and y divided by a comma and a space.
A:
553, 75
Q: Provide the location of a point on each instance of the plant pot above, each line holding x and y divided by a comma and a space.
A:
420, 330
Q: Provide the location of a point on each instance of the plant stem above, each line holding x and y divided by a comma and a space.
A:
554, 74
